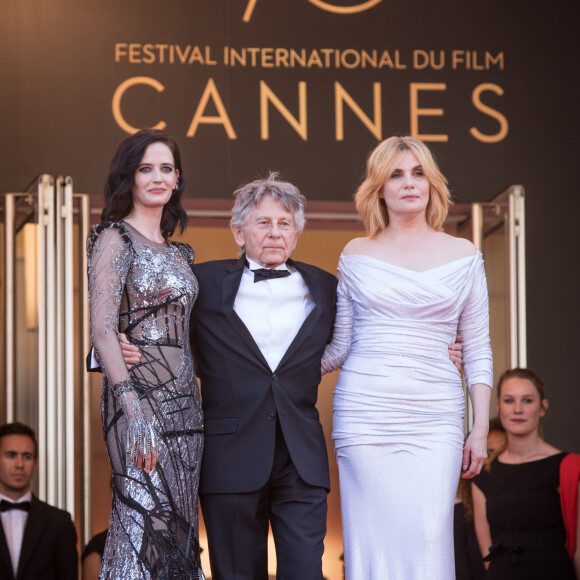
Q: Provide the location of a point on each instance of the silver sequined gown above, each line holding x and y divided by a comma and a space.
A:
147, 291
398, 410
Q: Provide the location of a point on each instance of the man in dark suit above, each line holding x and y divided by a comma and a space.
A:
258, 341
37, 541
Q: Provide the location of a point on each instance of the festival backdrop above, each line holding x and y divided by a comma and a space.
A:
307, 88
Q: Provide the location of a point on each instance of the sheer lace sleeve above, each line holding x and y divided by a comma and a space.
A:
337, 350
474, 330
109, 253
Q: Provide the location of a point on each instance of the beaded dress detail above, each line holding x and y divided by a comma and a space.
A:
147, 290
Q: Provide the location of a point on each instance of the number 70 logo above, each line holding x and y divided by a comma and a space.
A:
353, 8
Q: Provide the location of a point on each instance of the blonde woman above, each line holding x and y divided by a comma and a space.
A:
404, 292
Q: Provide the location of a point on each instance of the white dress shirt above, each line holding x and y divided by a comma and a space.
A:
14, 522
273, 310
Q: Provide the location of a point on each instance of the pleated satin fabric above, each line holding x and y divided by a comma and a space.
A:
398, 411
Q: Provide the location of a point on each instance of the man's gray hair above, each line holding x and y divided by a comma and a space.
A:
249, 196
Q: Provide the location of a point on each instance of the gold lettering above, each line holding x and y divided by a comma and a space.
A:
490, 60
503, 123
254, 51
196, 56
356, 58
134, 53
370, 59
208, 60
420, 59
120, 51
268, 96
341, 96
161, 48
457, 58
182, 55
267, 57
221, 118
282, 57
314, 60
149, 54
118, 95
423, 59
327, 52
238, 57
398, 63
416, 112
298, 58
387, 61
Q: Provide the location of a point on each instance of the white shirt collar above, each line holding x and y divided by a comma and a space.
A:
26, 497
255, 266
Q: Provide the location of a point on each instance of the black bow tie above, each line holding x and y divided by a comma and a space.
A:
269, 274
6, 505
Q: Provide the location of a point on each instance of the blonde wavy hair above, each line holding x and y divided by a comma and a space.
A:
380, 165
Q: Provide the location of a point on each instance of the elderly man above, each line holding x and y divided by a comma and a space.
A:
36, 539
260, 327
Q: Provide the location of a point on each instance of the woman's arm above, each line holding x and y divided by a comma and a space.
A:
337, 349
475, 448
480, 521
478, 366
109, 255
577, 552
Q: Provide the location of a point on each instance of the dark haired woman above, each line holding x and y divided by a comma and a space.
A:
142, 285
519, 498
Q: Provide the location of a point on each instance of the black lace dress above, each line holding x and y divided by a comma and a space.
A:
147, 291
525, 519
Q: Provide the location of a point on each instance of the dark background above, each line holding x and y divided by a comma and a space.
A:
58, 75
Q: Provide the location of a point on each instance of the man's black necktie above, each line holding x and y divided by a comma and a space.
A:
267, 273
6, 505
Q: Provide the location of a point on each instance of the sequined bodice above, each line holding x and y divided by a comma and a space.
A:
141, 288
160, 293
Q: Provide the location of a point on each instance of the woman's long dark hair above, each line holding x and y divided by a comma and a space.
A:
119, 185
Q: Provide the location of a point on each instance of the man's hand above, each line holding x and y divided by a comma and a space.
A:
455, 353
131, 353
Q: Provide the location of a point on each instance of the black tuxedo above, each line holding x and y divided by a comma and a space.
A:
48, 546
245, 403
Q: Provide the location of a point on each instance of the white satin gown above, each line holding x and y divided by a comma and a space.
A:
398, 409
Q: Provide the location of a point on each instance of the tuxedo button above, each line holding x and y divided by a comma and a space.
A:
274, 377
271, 416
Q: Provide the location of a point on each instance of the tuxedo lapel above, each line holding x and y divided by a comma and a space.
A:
311, 320
32, 533
231, 284
5, 560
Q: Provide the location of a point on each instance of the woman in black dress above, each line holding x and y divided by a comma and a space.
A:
516, 499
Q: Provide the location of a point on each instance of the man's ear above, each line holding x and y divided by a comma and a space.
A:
238, 235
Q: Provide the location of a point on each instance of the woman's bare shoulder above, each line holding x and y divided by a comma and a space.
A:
457, 248
355, 246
